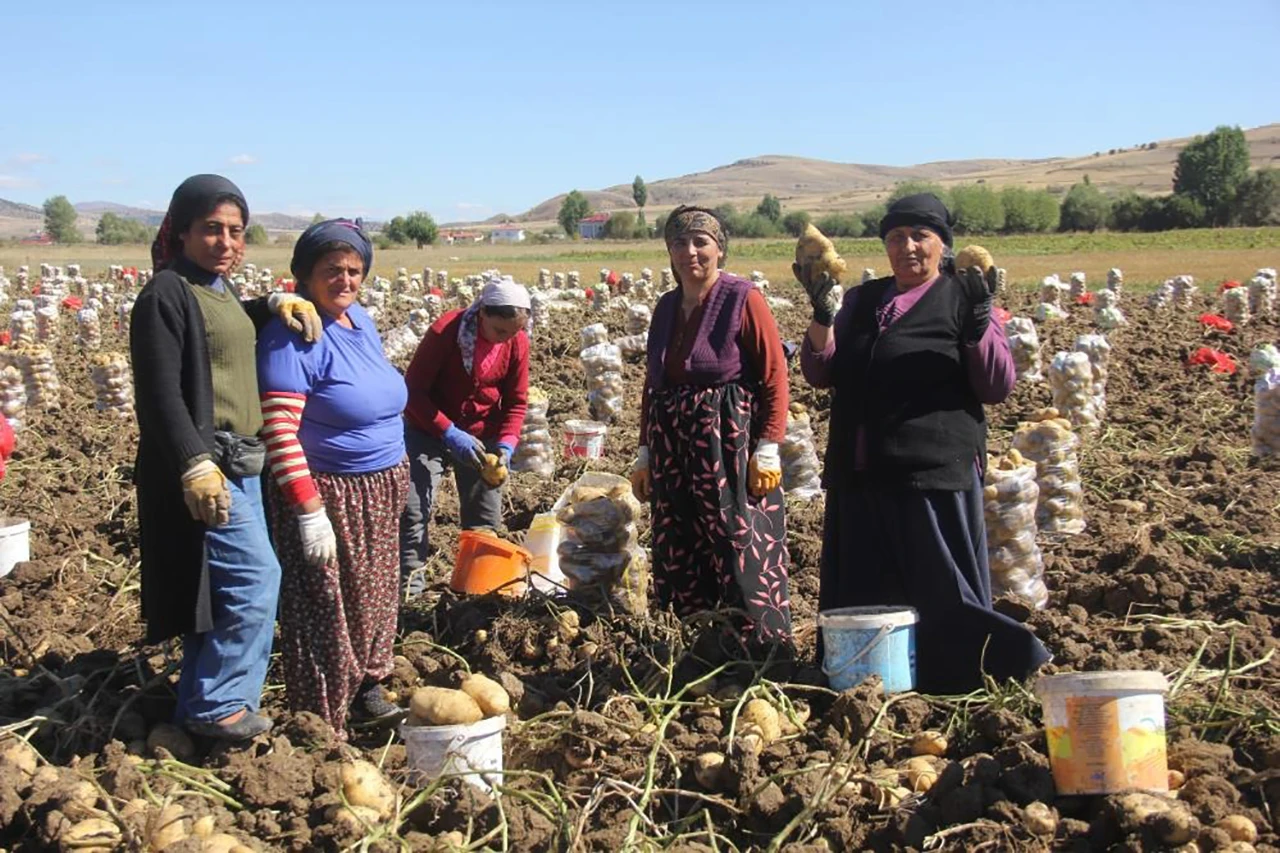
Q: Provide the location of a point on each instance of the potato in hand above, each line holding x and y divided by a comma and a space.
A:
494, 472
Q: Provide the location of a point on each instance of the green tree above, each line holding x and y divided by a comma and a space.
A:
977, 209
60, 220
1084, 208
907, 188
1258, 198
770, 208
1211, 169
573, 210
841, 225
1127, 212
395, 230
319, 217
256, 235
754, 225
640, 195
871, 221
794, 222
420, 228
115, 230
622, 225
1028, 211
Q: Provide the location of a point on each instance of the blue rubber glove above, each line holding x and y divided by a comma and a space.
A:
464, 448
505, 450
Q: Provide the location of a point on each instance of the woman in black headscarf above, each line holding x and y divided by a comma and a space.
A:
209, 573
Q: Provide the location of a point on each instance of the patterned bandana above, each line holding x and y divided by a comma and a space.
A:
687, 218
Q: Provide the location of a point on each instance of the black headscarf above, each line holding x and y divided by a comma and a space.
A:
197, 196
313, 241
923, 209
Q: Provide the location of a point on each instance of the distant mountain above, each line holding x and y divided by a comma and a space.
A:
95, 209
821, 185
18, 210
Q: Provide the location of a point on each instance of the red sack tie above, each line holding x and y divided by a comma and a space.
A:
7, 442
1218, 362
1215, 321
1084, 299
1228, 285
435, 291
1002, 314
590, 293
73, 303
5, 337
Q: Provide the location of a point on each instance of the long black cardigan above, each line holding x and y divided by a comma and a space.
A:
173, 389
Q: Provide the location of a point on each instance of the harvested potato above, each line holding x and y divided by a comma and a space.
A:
919, 774
487, 693
223, 843
203, 826
764, 717
569, 623
1039, 819
1239, 827
166, 826
92, 835
364, 785
443, 706
708, 770
20, 755
974, 256
493, 471
793, 723
1176, 779
819, 253
356, 820
929, 743
174, 739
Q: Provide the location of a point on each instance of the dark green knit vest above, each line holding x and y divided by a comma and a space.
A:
232, 361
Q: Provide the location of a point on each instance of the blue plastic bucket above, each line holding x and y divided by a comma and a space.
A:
863, 641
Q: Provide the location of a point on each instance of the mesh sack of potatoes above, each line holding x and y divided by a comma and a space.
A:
40, 376
1235, 305
1024, 346
1184, 291
534, 452
801, 471
602, 364
89, 328
1266, 414
1262, 296
1162, 297
1009, 499
1049, 441
1106, 313
1098, 350
112, 384
1071, 381
599, 551
13, 394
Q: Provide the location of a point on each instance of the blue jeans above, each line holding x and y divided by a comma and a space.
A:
223, 669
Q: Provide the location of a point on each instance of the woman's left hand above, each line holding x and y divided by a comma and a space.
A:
764, 471
979, 290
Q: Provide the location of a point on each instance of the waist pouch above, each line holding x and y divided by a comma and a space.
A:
239, 455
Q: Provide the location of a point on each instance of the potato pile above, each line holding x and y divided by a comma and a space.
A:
47, 324
1024, 346
1009, 498
638, 319
88, 329
1266, 414
801, 472
598, 547
13, 394
112, 384
1071, 380
1098, 350
1235, 305
1184, 291
22, 326
1050, 307
534, 452
1115, 281
1047, 440
476, 698
1078, 285
39, 375
1262, 293
1162, 297
539, 310
816, 251
602, 364
1106, 313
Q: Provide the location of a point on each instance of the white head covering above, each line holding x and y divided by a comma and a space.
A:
504, 291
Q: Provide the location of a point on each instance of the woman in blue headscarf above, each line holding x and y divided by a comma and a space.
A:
335, 447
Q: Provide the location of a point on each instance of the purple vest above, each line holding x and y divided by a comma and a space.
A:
716, 357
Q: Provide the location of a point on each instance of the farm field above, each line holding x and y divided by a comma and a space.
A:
1176, 572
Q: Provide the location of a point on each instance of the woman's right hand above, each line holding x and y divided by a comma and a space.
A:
821, 288
205, 491
641, 478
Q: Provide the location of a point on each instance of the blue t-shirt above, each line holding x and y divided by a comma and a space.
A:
352, 421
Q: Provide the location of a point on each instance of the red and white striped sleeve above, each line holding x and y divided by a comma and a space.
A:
282, 415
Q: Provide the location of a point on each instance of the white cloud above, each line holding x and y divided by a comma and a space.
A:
243, 160
15, 182
28, 158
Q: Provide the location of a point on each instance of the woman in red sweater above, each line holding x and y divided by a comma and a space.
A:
468, 392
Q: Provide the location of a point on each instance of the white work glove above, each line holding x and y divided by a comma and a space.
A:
298, 314
641, 479
764, 472
319, 545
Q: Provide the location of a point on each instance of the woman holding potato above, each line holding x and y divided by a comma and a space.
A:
912, 358
468, 391
714, 410
335, 446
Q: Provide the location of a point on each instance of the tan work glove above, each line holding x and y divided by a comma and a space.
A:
205, 491
641, 479
764, 471
298, 314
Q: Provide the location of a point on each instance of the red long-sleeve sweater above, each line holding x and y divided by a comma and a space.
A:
490, 403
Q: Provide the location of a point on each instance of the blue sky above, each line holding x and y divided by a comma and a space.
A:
470, 109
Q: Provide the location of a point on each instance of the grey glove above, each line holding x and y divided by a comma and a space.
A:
822, 293
979, 291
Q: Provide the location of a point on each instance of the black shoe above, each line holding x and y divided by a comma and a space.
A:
371, 708
246, 728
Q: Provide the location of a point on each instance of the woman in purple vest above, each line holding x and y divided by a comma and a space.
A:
713, 412
912, 358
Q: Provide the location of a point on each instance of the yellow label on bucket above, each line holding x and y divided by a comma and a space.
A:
1103, 744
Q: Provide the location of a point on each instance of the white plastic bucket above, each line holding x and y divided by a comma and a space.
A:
543, 543
15, 543
1105, 730
863, 641
474, 750
584, 439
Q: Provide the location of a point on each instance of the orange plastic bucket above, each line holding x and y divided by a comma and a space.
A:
486, 563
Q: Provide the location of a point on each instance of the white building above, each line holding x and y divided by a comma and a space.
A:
507, 234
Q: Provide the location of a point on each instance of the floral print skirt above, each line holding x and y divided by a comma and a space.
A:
714, 545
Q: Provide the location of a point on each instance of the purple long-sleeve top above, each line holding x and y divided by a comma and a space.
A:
988, 362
